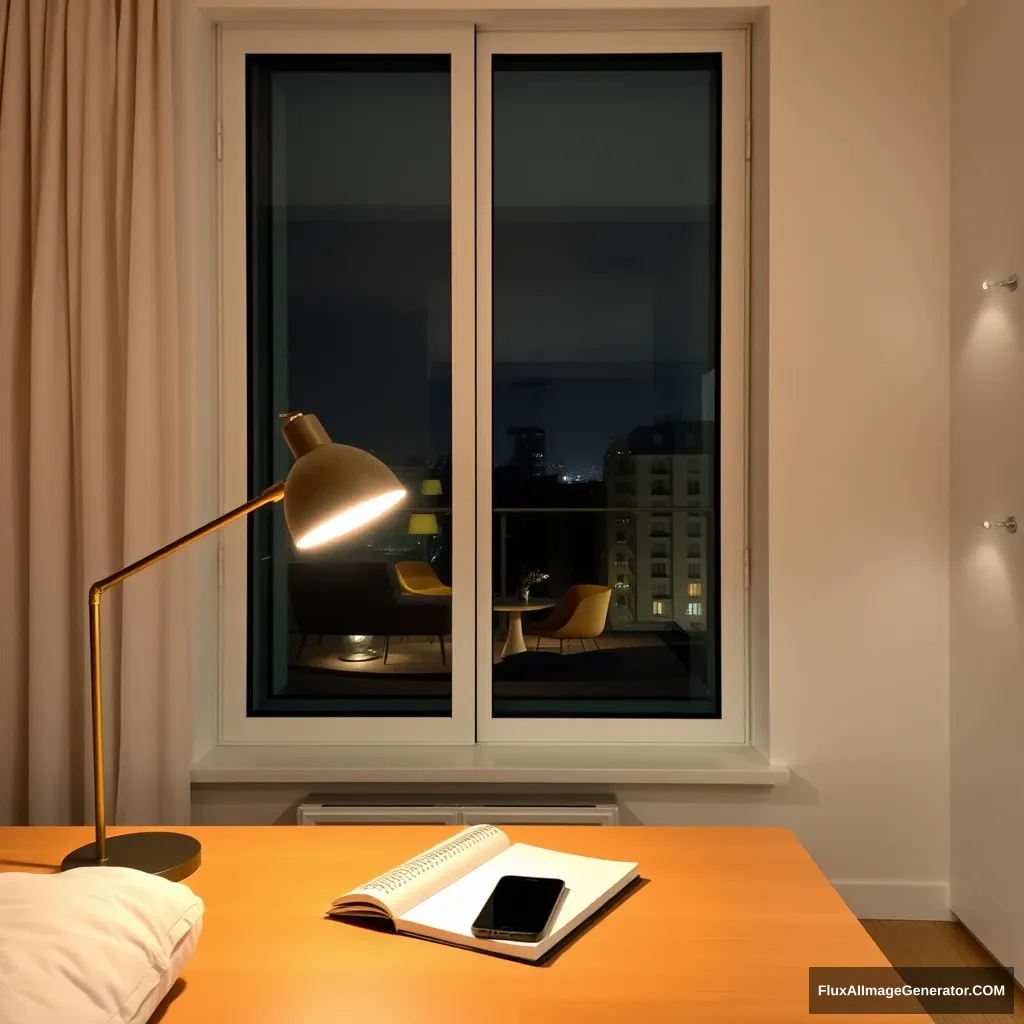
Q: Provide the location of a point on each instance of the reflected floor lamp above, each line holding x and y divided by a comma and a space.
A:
330, 491
424, 524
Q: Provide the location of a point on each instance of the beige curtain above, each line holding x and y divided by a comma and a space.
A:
90, 450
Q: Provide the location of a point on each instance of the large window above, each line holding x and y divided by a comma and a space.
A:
536, 313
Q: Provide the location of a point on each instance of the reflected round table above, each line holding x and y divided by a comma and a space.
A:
514, 642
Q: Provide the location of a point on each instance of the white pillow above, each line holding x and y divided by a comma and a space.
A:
96, 945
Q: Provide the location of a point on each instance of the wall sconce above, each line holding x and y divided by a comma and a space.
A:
1009, 524
1009, 283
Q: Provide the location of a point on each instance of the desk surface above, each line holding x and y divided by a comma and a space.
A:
724, 930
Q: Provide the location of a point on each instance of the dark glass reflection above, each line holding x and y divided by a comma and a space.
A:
605, 389
350, 319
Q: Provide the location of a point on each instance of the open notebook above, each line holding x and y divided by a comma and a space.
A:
438, 894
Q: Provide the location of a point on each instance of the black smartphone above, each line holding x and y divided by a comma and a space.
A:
519, 908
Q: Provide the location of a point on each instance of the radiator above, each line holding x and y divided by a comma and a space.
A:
458, 809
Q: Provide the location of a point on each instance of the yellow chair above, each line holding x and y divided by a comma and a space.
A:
579, 615
420, 578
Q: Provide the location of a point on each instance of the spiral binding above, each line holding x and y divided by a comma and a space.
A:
413, 869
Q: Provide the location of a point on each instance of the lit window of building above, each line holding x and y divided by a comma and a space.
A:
694, 590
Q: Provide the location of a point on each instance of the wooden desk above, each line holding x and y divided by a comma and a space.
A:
723, 931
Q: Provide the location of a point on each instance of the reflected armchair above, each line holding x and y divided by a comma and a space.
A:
420, 578
579, 615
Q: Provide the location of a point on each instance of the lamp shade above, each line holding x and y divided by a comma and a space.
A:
430, 487
334, 489
424, 523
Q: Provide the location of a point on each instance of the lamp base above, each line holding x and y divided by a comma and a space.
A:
172, 855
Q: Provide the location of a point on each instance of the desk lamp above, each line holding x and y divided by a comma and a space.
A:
330, 491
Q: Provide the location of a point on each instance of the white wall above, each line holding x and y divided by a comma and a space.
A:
987, 567
853, 417
859, 441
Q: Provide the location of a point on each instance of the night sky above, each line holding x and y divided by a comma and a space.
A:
603, 256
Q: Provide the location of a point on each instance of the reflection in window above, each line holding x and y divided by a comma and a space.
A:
349, 313
605, 351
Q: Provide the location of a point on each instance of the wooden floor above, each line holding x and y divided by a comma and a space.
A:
939, 944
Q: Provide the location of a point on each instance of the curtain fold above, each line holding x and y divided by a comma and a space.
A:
90, 438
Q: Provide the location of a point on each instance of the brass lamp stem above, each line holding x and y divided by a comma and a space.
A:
271, 494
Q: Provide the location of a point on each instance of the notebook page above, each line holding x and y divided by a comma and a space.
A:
450, 912
421, 876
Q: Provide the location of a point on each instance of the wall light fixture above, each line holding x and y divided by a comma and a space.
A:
1009, 524
1009, 283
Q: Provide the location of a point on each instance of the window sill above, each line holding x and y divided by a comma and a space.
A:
622, 764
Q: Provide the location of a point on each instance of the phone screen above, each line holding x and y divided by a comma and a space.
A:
519, 908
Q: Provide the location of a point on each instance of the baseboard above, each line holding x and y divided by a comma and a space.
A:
905, 901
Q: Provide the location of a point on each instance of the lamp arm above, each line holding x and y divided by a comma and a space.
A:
271, 494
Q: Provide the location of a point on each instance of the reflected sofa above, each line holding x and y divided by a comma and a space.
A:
335, 598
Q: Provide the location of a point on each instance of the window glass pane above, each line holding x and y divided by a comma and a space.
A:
349, 319
605, 384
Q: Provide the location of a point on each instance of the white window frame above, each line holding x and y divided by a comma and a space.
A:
471, 720
733, 726
235, 727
